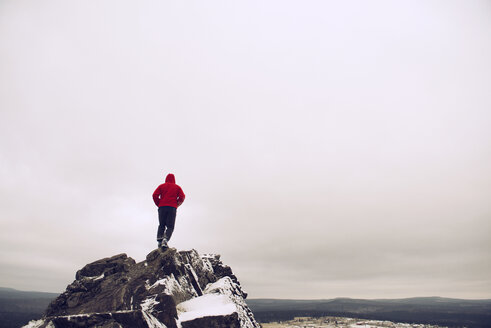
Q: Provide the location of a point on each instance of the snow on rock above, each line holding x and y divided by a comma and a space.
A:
226, 286
152, 322
148, 304
118, 292
205, 306
34, 324
222, 298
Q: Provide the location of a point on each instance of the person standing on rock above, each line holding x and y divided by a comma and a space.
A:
168, 197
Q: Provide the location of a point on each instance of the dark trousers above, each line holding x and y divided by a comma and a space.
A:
167, 219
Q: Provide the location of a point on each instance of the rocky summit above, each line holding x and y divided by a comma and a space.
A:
169, 289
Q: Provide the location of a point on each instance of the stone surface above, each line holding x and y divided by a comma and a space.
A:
118, 292
227, 321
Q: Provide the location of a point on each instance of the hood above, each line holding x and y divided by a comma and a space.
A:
170, 178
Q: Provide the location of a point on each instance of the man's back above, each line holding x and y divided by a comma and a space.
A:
168, 193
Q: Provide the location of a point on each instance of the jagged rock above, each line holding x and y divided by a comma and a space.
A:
169, 289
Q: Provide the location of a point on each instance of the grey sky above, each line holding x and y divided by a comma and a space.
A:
326, 148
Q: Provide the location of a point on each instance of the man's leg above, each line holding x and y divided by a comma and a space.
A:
161, 228
170, 222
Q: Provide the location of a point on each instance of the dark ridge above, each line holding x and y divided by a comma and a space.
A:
18, 307
424, 310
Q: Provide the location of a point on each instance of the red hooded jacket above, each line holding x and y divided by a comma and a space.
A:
168, 193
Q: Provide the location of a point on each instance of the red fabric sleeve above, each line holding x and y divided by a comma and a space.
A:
156, 196
180, 197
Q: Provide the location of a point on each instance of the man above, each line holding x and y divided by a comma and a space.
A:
168, 197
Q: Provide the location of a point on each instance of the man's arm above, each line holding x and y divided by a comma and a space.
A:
156, 196
180, 197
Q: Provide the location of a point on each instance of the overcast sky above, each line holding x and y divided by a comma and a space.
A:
326, 148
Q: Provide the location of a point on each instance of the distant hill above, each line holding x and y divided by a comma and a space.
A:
17, 307
429, 310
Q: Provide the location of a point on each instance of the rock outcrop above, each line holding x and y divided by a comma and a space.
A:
169, 289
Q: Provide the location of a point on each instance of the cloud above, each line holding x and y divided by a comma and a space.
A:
325, 150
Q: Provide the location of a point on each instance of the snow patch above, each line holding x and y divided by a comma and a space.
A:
34, 323
172, 285
205, 306
38, 323
210, 256
100, 277
226, 287
207, 265
184, 281
195, 276
152, 322
170, 280
224, 284
148, 304
69, 317
94, 277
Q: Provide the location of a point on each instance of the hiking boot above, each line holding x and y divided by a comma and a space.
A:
164, 243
